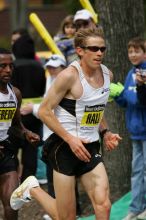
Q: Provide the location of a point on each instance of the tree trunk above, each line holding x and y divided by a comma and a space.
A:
121, 21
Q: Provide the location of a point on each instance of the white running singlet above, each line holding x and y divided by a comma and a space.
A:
82, 117
8, 105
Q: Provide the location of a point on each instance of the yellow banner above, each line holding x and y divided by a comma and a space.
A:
44, 33
86, 4
32, 100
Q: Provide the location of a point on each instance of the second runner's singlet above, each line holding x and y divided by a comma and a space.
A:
8, 105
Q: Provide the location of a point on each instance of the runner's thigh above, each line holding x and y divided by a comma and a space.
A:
96, 184
65, 195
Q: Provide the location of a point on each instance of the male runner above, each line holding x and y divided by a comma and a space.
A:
78, 97
10, 100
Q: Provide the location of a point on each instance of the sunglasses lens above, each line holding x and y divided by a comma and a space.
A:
102, 49
95, 48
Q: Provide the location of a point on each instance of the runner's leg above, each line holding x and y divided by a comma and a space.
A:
96, 185
65, 196
8, 183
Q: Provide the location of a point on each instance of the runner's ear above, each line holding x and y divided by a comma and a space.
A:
79, 51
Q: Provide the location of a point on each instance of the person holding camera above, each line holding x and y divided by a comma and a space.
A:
136, 125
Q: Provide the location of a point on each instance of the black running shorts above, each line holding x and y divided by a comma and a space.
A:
8, 160
63, 160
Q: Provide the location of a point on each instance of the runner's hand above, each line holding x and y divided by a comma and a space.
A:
111, 140
33, 138
77, 147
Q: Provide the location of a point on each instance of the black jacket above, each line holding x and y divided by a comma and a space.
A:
141, 93
28, 75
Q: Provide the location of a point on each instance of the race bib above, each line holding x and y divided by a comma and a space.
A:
92, 115
7, 111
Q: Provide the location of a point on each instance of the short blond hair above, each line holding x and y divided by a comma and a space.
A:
83, 34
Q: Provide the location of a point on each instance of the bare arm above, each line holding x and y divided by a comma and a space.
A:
57, 91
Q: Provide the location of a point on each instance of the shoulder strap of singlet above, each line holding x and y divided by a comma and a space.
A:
80, 71
11, 87
78, 67
105, 69
9, 84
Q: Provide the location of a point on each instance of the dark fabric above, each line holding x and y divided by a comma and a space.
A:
8, 147
24, 47
8, 164
29, 77
50, 184
29, 160
68, 105
63, 160
141, 93
8, 161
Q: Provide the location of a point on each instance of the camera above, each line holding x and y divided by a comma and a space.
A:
142, 72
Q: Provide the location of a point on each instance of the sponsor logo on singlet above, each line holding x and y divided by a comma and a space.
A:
7, 111
92, 115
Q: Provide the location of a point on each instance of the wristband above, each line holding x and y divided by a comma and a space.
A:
103, 132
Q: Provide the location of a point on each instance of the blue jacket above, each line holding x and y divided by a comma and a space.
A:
135, 112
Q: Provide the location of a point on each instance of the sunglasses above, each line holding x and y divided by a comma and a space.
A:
4, 65
94, 48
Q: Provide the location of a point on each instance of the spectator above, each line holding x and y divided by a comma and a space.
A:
67, 28
10, 101
64, 39
136, 125
84, 19
29, 77
17, 33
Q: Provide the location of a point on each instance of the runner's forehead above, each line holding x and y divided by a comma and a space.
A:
5, 57
95, 39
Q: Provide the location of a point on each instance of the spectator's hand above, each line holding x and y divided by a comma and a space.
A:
77, 147
26, 109
33, 138
140, 78
111, 140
